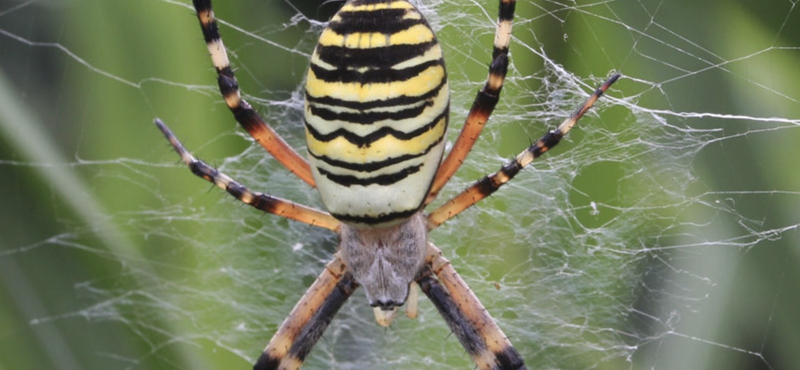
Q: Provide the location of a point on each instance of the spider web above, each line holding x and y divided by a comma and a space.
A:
661, 234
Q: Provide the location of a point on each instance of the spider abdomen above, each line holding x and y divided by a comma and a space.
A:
376, 112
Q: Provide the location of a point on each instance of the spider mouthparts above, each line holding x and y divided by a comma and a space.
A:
384, 318
386, 305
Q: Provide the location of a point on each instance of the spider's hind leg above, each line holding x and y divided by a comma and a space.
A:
247, 117
484, 103
489, 184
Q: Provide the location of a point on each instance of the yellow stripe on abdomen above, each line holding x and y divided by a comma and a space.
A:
358, 91
386, 147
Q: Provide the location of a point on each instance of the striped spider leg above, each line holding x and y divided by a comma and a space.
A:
491, 183
247, 117
260, 201
484, 103
471, 323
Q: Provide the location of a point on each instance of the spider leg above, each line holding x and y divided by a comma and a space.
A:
247, 117
489, 184
466, 316
263, 202
309, 318
484, 102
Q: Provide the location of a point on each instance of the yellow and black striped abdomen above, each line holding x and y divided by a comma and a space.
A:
376, 112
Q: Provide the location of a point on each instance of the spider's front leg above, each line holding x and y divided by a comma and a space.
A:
309, 318
465, 315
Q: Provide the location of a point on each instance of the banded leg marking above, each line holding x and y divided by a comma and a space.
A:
247, 117
466, 316
489, 184
308, 319
484, 103
260, 201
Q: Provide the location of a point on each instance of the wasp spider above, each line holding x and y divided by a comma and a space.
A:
376, 112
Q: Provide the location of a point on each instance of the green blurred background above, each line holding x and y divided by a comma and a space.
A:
661, 235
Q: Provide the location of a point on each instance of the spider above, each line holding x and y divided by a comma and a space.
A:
376, 113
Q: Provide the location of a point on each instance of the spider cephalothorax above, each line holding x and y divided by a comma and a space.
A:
376, 112
385, 260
